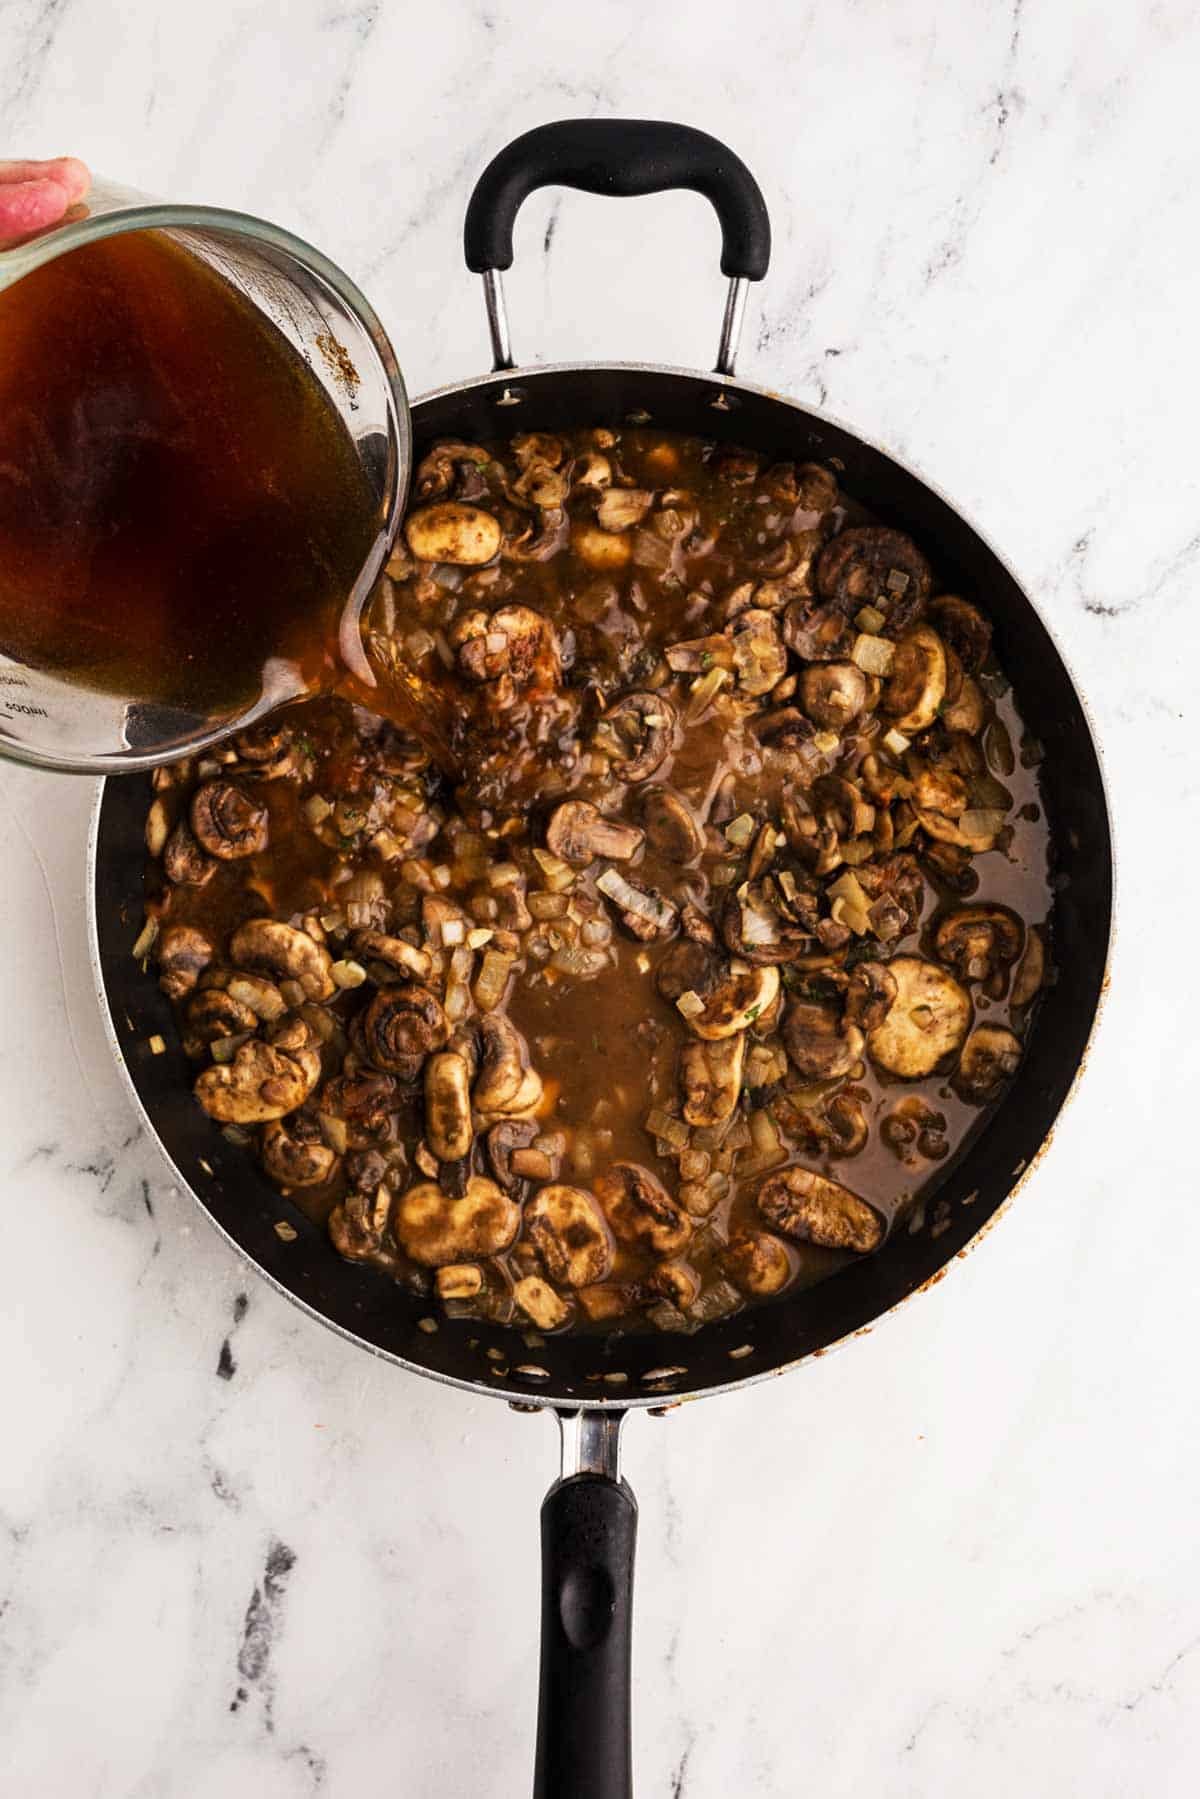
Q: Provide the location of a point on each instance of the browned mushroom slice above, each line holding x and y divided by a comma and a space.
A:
821, 1045
896, 888
183, 954
869, 565
401, 1027
938, 789
758, 653
916, 683
757, 928
1031, 971
964, 629
435, 1230
260, 1083
514, 641
227, 822
578, 833
690, 966
711, 1077
502, 1142
445, 468
358, 1110
870, 992
394, 952
757, 1263
570, 1233
927, 1022
269, 747
540, 484
817, 632
448, 1129
295, 1154
670, 825
725, 1002
813, 1209
184, 862
621, 508
641, 1211
539, 542
833, 694
267, 947
644, 912
738, 467
358, 1225
990, 1056
213, 1013
503, 1063
544, 1307
979, 942
967, 713
449, 531
641, 727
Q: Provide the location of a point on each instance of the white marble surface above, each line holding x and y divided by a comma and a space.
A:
960, 1555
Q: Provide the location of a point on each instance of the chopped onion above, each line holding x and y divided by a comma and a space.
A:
334, 1132
146, 939
873, 654
317, 809
704, 692
870, 619
826, 742
895, 741
453, 931
559, 875
348, 973
983, 821
479, 936
741, 830
157, 1045
670, 1130
492, 979
690, 1004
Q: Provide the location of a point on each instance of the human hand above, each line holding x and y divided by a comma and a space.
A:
34, 195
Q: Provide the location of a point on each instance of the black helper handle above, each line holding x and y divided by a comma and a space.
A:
619, 157
589, 1529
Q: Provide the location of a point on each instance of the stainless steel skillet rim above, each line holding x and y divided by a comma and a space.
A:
542, 1399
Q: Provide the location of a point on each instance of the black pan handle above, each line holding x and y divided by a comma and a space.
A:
618, 157
589, 1529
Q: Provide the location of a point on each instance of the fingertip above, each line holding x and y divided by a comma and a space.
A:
29, 206
73, 176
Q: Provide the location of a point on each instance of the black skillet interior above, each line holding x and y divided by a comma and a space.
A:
626, 1368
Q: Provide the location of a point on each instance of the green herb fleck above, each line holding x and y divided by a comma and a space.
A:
706, 661
752, 1014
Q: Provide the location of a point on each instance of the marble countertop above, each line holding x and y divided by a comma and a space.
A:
239, 1558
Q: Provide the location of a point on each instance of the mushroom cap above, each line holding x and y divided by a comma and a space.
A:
833, 694
871, 565
990, 1056
265, 946
450, 531
227, 822
435, 1230
184, 862
260, 1083
365, 1103
813, 1209
183, 952
964, 629
928, 1019
448, 1129
643, 724
670, 825
578, 832
503, 1062
401, 1026
977, 940
916, 684
757, 1263
640, 1210
213, 1013
296, 1158
820, 1044
569, 1231
711, 1077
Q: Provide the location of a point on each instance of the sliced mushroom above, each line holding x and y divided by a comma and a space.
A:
936, 789
621, 508
213, 1013
358, 1110
448, 1129
964, 629
394, 952
758, 653
641, 1211
270, 747
870, 565
897, 892
227, 822
967, 712
260, 1083
538, 542
503, 1141
600, 549
990, 1056
569, 1231
821, 1044
451, 532
358, 1225
459, 1280
928, 1020
870, 992
816, 631
690, 966
525, 1102
265, 946
401, 1027
184, 862
503, 1062
813, 1209
642, 727
735, 1003
444, 467
544, 1307
711, 1076
578, 833
670, 825
514, 640
644, 912
258, 995
183, 954
540, 485
435, 1230
1031, 971
294, 1154
757, 1263
756, 928
979, 942
916, 684
833, 694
